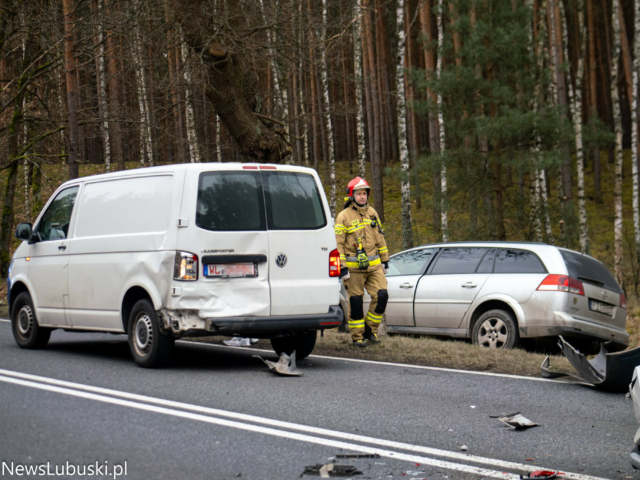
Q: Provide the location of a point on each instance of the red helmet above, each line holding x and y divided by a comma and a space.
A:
358, 184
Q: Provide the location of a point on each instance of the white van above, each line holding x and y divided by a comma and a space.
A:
181, 250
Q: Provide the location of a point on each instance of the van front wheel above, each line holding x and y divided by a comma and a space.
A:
149, 346
303, 344
26, 331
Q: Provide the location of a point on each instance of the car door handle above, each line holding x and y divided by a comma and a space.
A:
469, 285
62, 247
406, 285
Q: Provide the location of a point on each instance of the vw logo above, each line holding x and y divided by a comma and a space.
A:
281, 260
604, 295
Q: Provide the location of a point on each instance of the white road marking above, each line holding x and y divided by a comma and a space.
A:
389, 364
36, 381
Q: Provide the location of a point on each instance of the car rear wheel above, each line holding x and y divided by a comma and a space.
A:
303, 344
496, 329
26, 331
148, 345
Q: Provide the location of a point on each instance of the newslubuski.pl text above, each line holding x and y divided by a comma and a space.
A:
67, 469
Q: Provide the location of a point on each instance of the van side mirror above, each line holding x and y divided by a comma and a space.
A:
24, 231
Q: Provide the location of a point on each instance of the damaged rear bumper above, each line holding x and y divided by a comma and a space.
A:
188, 323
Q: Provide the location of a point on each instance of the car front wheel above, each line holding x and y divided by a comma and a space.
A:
148, 345
303, 344
26, 331
496, 329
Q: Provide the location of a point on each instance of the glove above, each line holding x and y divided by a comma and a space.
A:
344, 274
385, 265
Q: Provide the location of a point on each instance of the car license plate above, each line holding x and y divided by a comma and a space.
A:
600, 307
231, 270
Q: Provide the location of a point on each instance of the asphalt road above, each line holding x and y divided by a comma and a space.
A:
217, 413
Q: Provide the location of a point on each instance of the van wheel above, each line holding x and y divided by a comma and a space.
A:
496, 329
303, 344
26, 331
150, 347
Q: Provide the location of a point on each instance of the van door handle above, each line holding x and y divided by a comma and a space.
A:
406, 285
62, 247
469, 285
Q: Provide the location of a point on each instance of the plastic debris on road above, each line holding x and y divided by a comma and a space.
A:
286, 365
517, 421
331, 470
358, 455
540, 474
464, 448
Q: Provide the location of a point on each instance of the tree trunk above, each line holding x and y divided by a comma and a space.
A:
115, 95
634, 129
361, 90
443, 170
195, 149
617, 122
401, 78
434, 137
72, 159
593, 97
102, 85
146, 142
376, 163
325, 92
575, 105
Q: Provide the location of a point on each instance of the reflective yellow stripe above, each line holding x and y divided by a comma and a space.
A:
383, 249
372, 263
339, 230
374, 320
373, 315
356, 325
343, 257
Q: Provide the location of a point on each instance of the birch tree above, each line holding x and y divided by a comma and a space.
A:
102, 88
617, 124
360, 94
195, 151
146, 142
405, 186
575, 105
324, 67
70, 67
443, 170
634, 127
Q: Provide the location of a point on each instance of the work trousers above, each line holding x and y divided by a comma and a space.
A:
375, 283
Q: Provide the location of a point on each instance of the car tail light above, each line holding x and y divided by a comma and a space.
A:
623, 301
334, 263
185, 267
562, 283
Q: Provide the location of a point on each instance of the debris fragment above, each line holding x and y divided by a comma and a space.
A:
517, 421
331, 470
504, 415
540, 474
464, 448
286, 365
358, 455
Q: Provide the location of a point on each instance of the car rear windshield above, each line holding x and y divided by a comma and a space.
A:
230, 201
293, 201
589, 270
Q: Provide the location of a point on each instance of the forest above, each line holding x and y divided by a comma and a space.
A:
471, 119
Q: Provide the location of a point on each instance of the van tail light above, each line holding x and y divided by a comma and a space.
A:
334, 263
185, 267
623, 301
562, 283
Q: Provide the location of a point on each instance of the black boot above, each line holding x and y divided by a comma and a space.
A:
359, 344
371, 338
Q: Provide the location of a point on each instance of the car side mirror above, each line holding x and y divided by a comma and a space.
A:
24, 231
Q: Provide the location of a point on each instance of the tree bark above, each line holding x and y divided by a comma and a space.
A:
401, 80
443, 169
361, 89
617, 122
593, 97
101, 84
72, 158
634, 129
195, 149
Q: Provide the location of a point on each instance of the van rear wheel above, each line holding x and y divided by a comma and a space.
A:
303, 344
148, 345
26, 331
496, 329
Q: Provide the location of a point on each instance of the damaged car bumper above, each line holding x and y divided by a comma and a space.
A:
187, 322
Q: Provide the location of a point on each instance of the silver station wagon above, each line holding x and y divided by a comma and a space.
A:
498, 293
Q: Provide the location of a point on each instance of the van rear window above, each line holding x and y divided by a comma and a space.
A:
293, 201
589, 270
230, 201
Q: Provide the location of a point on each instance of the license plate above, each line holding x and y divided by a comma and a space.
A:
600, 307
231, 270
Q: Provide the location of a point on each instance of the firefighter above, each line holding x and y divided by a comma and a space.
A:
364, 259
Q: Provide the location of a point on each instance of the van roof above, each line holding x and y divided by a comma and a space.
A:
204, 166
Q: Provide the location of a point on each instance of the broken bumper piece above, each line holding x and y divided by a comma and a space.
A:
188, 322
611, 372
